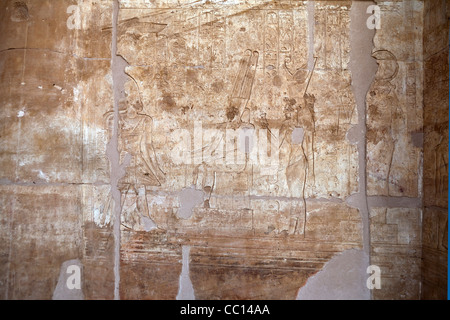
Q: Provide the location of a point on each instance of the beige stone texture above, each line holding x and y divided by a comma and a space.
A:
435, 174
435, 248
235, 149
55, 90
396, 248
41, 228
229, 67
395, 103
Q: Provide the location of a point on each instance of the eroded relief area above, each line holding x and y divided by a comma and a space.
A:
55, 88
394, 117
394, 104
228, 139
233, 131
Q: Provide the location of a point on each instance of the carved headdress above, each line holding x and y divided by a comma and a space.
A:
388, 65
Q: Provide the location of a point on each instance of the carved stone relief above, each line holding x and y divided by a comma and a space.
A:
234, 128
228, 133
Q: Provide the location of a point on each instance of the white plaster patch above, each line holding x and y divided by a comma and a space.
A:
20, 114
96, 215
43, 176
344, 277
76, 94
298, 135
186, 289
101, 218
189, 198
149, 224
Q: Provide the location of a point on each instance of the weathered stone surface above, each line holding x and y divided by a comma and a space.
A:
182, 77
95, 93
435, 231
98, 237
435, 174
55, 89
150, 266
200, 76
39, 122
396, 249
434, 255
234, 255
436, 105
76, 28
217, 155
41, 228
394, 102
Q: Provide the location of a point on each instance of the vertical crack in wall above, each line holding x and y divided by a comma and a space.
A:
118, 65
186, 289
350, 265
363, 69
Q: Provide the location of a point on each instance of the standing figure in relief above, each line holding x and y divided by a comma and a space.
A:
296, 149
441, 164
385, 123
135, 144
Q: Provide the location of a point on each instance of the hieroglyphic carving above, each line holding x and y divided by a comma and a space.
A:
393, 159
242, 107
227, 83
243, 66
279, 40
332, 46
213, 27
271, 43
286, 30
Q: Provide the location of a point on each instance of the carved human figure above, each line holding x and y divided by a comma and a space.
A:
238, 120
135, 144
296, 148
385, 130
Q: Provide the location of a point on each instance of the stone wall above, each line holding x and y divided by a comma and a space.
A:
55, 88
435, 219
395, 151
220, 149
